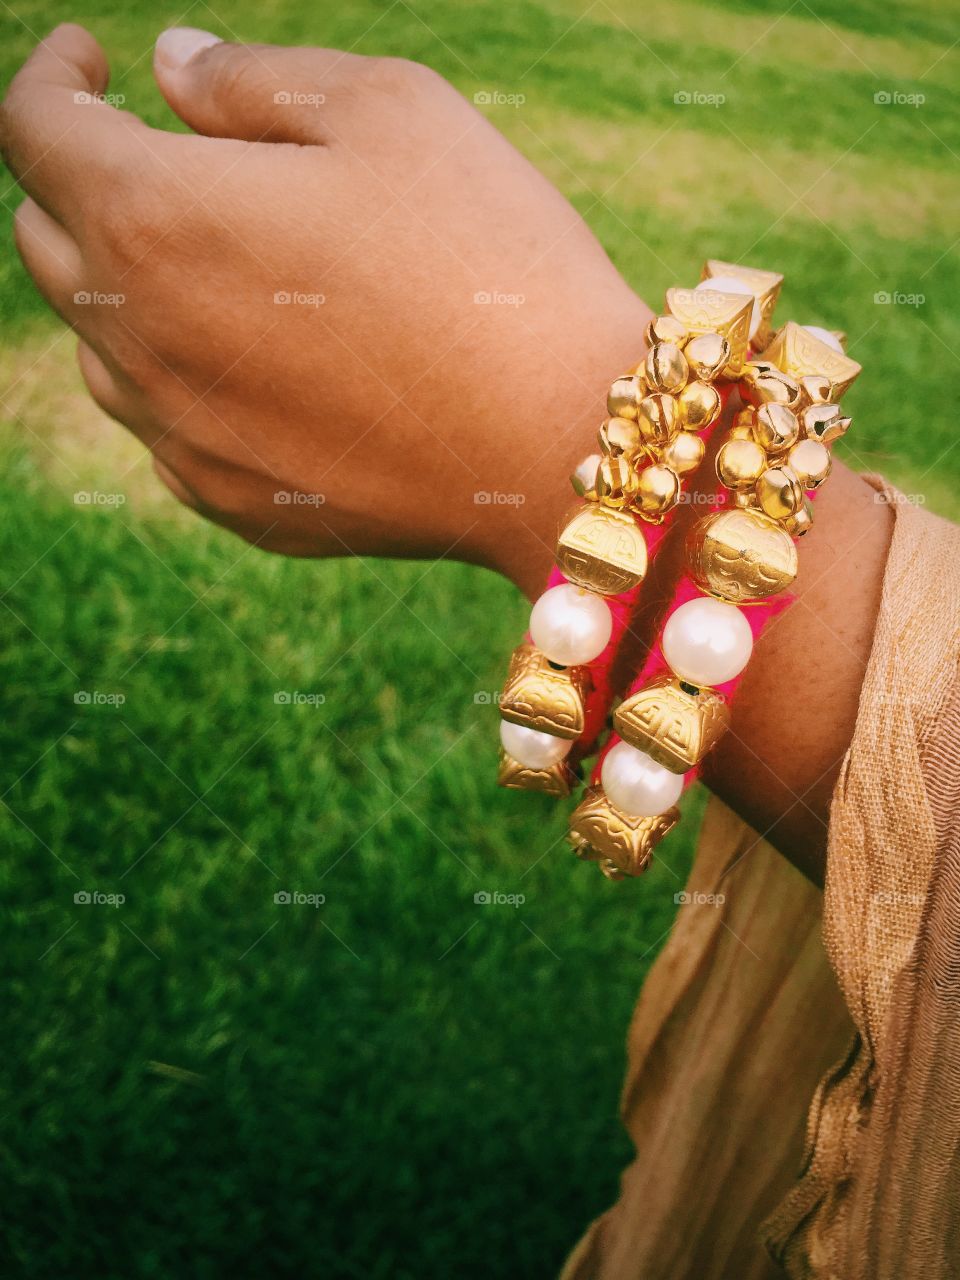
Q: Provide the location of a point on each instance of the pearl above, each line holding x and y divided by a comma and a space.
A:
728, 284
531, 748
707, 641
570, 626
637, 785
825, 336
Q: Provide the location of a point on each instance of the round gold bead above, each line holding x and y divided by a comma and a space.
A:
811, 461
699, 404
657, 492
625, 395
823, 422
763, 383
617, 482
742, 428
620, 436
666, 329
776, 427
815, 389
584, 478
740, 463
658, 418
665, 368
779, 492
684, 453
707, 355
801, 522
746, 500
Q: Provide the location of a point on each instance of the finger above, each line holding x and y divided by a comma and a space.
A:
57, 136
51, 255
251, 92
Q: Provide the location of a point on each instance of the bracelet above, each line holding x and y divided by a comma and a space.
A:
740, 560
559, 687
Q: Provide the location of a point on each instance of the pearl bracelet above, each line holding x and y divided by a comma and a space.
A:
740, 559
558, 689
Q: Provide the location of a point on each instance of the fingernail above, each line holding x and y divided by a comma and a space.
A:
177, 45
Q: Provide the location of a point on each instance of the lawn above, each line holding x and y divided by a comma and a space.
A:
396, 1081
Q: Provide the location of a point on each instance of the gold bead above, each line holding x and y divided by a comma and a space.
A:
706, 355
602, 550
684, 453
765, 286
620, 436
617, 482
666, 329
801, 522
540, 697
601, 833
763, 383
625, 395
665, 368
801, 353
711, 311
823, 422
776, 427
746, 500
584, 478
699, 404
814, 389
740, 463
672, 725
657, 492
741, 555
658, 418
742, 428
780, 492
811, 461
558, 780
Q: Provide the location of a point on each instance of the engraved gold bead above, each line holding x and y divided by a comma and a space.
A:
803, 354
584, 478
684, 453
625, 395
741, 555
699, 404
674, 725
823, 422
541, 697
657, 491
620, 436
602, 550
706, 355
740, 463
617, 481
558, 780
811, 461
665, 368
620, 843
666, 329
779, 492
775, 427
658, 418
763, 383
801, 522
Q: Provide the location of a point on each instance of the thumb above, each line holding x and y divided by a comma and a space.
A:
251, 92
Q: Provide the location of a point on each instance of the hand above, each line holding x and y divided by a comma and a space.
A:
299, 290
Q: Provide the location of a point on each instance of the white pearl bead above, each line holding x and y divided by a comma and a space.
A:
570, 626
531, 748
707, 642
728, 284
637, 785
825, 336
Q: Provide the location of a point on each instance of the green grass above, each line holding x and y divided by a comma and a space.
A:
399, 1082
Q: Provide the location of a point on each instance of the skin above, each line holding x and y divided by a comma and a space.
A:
400, 396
